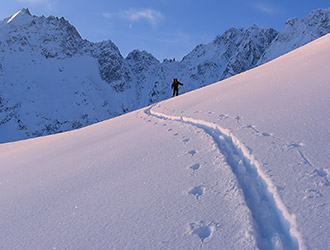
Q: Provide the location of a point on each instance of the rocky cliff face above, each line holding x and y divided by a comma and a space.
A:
52, 80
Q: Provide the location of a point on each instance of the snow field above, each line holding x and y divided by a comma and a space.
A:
273, 224
135, 182
279, 111
240, 164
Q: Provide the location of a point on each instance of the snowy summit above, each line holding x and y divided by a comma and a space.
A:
20, 12
240, 164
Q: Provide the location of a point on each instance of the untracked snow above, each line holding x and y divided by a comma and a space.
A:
240, 164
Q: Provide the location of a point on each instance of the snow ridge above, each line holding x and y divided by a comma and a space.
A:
275, 227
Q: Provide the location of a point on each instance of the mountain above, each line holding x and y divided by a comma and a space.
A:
239, 164
52, 80
236, 51
297, 32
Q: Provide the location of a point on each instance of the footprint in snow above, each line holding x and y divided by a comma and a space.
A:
295, 145
192, 152
259, 133
195, 167
185, 140
321, 173
223, 116
197, 191
312, 194
238, 118
324, 174
202, 230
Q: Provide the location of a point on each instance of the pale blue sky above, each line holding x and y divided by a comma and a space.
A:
165, 28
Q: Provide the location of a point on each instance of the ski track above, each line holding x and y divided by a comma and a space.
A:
275, 228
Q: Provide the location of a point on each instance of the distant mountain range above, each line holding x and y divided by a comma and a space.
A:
52, 80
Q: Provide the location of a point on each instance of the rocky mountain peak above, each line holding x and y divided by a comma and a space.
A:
26, 11
317, 18
298, 32
63, 25
21, 17
141, 57
51, 37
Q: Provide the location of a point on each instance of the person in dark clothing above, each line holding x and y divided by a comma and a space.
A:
175, 87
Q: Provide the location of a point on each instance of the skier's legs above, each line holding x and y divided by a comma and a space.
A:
175, 92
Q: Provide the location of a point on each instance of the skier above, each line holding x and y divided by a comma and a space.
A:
175, 86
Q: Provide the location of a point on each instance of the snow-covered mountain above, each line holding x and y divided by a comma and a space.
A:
239, 164
297, 32
236, 51
52, 80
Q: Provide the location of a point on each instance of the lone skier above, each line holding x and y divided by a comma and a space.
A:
175, 87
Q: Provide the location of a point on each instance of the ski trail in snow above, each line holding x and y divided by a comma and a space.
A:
275, 227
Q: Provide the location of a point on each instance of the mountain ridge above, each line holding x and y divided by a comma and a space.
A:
53, 80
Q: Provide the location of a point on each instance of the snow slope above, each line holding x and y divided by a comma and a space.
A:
240, 164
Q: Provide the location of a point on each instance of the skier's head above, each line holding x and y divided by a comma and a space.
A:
175, 80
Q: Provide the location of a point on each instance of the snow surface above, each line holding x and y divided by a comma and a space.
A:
240, 164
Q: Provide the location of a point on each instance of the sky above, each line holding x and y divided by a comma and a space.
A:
165, 28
